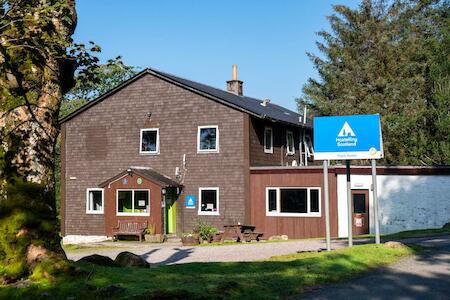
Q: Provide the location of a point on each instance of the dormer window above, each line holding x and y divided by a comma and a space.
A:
149, 141
208, 139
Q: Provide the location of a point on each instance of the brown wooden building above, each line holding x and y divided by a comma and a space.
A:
197, 142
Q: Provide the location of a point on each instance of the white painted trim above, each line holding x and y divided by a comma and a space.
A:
208, 213
132, 203
289, 132
95, 212
217, 139
157, 142
277, 213
267, 128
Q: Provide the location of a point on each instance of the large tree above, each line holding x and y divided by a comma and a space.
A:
392, 58
38, 60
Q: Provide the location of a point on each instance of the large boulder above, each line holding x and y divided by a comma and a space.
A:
128, 259
393, 244
99, 260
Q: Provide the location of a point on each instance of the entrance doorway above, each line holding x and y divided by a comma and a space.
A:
171, 197
360, 212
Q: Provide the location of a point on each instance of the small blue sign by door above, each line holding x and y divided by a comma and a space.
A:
191, 201
347, 137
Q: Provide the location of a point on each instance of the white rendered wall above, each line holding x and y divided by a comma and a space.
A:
406, 202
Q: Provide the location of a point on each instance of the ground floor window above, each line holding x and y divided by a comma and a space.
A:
293, 201
94, 201
209, 201
133, 202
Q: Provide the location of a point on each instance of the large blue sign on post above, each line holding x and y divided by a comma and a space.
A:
347, 137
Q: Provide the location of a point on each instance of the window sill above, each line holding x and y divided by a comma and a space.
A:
268, 151
149, 153
207, 151
133, 214
206, 213
92, 212
296, 215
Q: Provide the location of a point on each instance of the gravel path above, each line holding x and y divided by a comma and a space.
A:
422, 276
166, 254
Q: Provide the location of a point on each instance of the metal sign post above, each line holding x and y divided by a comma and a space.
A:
327, 204
375, 201
349, 204
348, 138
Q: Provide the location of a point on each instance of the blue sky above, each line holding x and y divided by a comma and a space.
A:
200, 40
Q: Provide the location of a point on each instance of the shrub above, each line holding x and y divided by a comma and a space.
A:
204, 230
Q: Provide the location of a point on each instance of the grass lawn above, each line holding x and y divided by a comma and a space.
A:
277, 278
409, 234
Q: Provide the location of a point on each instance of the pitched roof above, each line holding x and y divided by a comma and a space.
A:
246, 104
147, 173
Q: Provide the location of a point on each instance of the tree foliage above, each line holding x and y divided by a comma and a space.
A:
392, 58
104, 78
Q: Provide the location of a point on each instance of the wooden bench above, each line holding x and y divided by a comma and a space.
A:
129, 228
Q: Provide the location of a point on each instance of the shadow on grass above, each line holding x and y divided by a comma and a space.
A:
280, 277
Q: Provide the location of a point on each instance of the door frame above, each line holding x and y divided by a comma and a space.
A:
366, 192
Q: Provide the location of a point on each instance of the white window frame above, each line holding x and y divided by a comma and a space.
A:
289, 132
277, 213
208, 213
95, 212
217, 139
157, 141
132, 203
267, 128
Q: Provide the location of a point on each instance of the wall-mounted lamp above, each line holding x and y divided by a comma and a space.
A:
149, 115
163, 191
129, 171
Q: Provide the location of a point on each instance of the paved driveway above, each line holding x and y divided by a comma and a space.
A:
424, 276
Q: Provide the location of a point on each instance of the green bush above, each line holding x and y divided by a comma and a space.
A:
204, 230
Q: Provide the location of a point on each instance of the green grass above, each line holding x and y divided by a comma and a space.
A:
409, 234
277, 278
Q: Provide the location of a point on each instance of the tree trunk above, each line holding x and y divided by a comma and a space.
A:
32, 81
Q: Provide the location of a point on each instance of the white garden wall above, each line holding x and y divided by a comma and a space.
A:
406, 202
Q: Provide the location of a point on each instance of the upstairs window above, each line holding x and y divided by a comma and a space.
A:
149, 142
290, 147
94, 201
293, 202
208, 139
268, 140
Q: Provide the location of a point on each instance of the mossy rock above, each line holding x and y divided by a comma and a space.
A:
99, 260
128, 259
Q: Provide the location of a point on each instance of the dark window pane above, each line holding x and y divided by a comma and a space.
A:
95, 200
141, 201
293, 200
268, 139
314, 197
290, 142
209, 200
272, 200
124, 202
149, 138
208, 139
359, 203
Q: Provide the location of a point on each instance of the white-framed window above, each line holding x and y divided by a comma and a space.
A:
149, 141
208, 139
268, 140
133, 202
95, 201
290, 147
293, 201
208, 201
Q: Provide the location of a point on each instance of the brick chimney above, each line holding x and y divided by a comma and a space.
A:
234, 85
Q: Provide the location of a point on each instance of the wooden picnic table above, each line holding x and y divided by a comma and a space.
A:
240, 232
